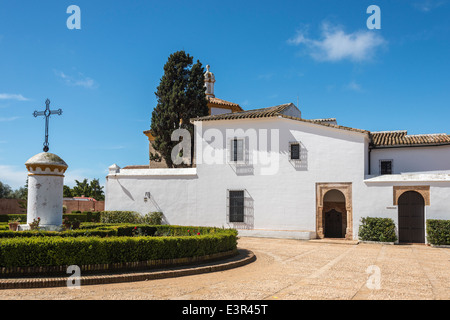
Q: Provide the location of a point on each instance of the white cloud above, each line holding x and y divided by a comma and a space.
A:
14, 176
354, 86
8, 119
428, 5
79, 81
9, 96
266, 76
336, 45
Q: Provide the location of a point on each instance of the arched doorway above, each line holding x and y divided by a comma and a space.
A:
411, 217
337, 196
335, 214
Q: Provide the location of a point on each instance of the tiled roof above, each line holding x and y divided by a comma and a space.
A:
257, 113
401, 138
276, 111
222, 102
324, 120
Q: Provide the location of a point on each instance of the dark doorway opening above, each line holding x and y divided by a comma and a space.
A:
333, 224
411, 218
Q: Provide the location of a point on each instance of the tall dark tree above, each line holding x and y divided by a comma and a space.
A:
180, 97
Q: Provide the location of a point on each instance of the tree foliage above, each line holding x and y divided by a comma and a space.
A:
6, 192
91, 189
180, 97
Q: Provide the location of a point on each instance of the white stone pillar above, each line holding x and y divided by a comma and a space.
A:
45, 190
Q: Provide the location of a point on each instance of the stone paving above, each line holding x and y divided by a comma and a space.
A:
291, 269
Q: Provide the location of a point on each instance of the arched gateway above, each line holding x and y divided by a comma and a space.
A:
411, 217
334, 216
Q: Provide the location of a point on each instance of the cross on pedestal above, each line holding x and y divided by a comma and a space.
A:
47, 113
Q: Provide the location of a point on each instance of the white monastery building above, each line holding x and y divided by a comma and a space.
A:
269, 172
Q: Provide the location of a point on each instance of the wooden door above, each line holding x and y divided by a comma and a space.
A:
411, 218
333, 224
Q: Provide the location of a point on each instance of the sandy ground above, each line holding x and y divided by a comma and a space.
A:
291, 269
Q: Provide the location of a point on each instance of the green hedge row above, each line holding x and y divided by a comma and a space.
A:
54, 251
86, 216
438, 232
377, 229
9, 217
154, 218
114, 230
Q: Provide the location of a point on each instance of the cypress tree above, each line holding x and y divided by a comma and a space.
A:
180, 97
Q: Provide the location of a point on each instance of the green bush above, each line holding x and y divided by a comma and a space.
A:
119, 217
58, 250
8, 217
377, 229
153, 218
75, 216
438, 232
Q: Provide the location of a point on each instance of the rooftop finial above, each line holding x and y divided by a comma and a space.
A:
209, 82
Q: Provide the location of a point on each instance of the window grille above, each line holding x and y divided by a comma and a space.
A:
239, 209
385, 166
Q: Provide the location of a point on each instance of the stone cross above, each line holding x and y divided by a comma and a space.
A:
47, 113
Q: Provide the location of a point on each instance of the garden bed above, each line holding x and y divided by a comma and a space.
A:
120, 246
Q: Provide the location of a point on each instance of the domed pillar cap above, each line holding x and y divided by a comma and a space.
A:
46, 162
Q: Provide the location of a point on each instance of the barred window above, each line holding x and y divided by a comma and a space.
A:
236, 204
386, 166
295, 151
237, 150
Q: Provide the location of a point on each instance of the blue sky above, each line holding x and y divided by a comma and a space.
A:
263, 53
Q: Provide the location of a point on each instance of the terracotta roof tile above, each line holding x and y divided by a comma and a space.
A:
276, 111
221, 102
256, 113
401, 138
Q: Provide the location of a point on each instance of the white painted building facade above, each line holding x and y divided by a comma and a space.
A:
268, 172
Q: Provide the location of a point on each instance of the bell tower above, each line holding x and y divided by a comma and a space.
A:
209, 82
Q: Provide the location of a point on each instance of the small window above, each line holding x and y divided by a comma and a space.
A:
236, 199
295, 151
237, 150
386, 166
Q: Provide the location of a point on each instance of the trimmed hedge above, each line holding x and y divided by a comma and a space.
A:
115, 230
57, 250
153, 218
377, 229
119, 217
438, 232
8, 217
86, 216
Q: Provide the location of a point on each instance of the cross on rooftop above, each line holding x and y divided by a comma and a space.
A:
46, 113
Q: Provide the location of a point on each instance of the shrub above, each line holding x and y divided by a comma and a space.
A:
377, 229
119, 217
153, 218
438, 232
71, 217
92, 216
58, 250
8, 217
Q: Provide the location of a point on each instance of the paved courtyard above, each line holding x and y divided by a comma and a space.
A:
292, 269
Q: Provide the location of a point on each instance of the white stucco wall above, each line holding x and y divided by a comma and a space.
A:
412, 159
280, 194
284, 197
